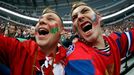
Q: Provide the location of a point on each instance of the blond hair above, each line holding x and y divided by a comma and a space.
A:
48, 10
77, 4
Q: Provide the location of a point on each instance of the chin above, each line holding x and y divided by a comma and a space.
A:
91, 39
41, 42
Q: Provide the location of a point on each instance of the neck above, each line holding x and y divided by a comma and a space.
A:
99, 43
48, 50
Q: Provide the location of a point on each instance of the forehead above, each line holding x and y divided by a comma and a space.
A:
47, 15
11, 26
79, 8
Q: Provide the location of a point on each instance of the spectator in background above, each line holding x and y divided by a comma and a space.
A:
32, 33
2, 29
40, 57
26, 33
93, 53
75, 39
11, 30
19, 33
66, 39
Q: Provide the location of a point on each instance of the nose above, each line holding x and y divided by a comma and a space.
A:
80, 17
44, 22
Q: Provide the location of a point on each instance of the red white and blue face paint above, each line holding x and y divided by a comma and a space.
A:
94, 17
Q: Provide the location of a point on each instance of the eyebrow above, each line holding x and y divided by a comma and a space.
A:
46, 16
85, 8
82, 10
49, 16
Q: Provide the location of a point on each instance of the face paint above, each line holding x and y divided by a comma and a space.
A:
54, 30
94, 17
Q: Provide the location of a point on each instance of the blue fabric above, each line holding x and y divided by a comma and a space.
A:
118, 40
128, 50
79, 67
119, 44
131, 38
4, 70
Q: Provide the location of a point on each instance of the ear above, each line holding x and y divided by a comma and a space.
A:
99, 17
62, 31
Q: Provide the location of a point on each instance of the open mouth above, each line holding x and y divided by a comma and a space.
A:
43, 31
87, 27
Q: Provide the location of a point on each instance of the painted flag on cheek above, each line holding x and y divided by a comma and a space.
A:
54, 29
95, 19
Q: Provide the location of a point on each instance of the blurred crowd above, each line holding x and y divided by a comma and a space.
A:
120, 27
18, 31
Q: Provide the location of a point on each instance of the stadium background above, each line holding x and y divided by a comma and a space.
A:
26, 13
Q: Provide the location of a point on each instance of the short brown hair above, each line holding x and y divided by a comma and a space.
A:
49, 10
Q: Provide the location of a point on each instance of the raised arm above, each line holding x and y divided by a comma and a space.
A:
8, 47
125, 42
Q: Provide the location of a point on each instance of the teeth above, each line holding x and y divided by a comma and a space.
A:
87, 27
42, 31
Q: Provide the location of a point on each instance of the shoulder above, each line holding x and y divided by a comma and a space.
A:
74, 47
30, 45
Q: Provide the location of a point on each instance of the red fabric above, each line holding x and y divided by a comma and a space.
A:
124, 42
20, 56
103, 64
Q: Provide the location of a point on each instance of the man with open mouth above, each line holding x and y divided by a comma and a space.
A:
40, 57
93, 53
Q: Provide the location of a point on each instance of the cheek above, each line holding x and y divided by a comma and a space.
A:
74, 28
96, 20
54, 25
54, 28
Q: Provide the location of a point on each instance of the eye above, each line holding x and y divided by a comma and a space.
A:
51, 19
74, 17
84, 10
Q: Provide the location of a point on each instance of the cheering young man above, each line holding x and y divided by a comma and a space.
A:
93, 53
